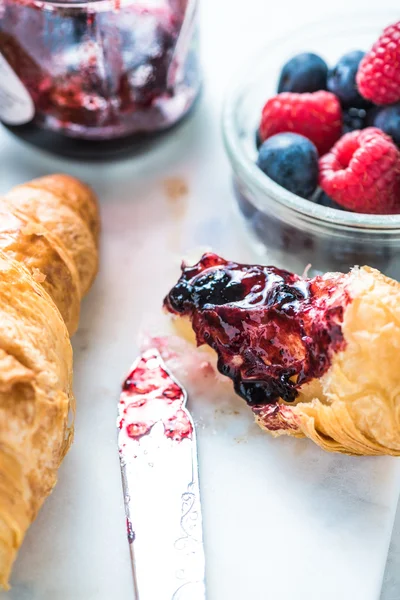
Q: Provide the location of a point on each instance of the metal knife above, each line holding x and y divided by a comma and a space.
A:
157, 450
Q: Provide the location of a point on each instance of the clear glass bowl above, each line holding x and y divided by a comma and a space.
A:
284, 229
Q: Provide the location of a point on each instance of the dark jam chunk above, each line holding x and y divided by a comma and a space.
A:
272, 330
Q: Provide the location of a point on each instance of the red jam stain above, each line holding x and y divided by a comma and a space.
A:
149, 396
275, 417
272, 330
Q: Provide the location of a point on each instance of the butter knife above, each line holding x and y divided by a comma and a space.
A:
158, 457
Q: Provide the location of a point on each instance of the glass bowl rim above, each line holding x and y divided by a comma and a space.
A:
271, 191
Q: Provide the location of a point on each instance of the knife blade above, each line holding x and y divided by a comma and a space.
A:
158, 457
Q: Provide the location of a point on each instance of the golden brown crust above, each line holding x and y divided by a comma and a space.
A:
55, 214
48, 257
77, 195
28, 242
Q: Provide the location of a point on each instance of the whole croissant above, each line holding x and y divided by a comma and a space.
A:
312, 357
48, 259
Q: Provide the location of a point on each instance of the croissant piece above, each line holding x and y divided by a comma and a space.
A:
312, 357
48, 259
69, 218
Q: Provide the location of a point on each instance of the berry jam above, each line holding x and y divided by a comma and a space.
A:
107, 71
272, 330
150, 396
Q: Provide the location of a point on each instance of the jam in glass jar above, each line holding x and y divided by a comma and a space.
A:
96, 78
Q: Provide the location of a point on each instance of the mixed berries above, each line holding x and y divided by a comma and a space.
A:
332, 135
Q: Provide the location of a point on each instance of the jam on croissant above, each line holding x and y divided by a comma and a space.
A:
312, 357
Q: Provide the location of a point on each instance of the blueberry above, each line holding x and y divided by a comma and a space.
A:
216, 287
180, 295
292, 161
387, 119
284, 295
342, 80
305, 72
324, 200
354, 118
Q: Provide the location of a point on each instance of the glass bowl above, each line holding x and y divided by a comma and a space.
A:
284, 229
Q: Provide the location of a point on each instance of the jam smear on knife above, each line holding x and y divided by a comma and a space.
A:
149, 396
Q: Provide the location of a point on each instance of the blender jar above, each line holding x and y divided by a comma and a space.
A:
97, 77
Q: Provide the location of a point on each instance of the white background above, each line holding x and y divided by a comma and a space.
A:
75, 549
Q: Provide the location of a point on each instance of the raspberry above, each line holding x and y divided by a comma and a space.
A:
316, 116
362, 172
378, 76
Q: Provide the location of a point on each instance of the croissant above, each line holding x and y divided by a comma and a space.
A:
49, 231
312, 357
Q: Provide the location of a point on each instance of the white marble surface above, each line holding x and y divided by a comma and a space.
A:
283, 520
391, 581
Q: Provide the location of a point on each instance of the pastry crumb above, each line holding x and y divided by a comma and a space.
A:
226, 411
38, 276
32, 229
241, 439
175, 188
